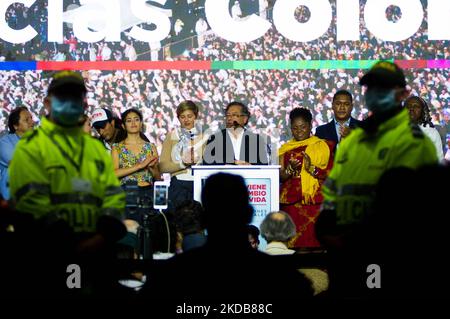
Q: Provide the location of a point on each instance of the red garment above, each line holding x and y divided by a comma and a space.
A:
72, 42
303, 215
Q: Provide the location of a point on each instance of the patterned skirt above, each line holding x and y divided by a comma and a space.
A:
304, 217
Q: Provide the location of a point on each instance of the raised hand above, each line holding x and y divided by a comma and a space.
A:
187, 158
153, 161
306, 161
294, 163
148, 161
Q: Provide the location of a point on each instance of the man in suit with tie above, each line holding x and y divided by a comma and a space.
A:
235, 145
343, 122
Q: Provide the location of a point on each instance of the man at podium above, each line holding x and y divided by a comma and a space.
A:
235, 145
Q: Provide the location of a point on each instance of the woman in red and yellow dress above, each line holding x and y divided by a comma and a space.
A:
305, 163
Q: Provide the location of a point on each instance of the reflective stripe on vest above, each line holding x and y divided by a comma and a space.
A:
113, 190
42, 189
356, 190
75, 198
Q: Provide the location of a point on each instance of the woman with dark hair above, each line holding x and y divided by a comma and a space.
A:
20, 121
419, 113
135, 159
181, 149
305, 163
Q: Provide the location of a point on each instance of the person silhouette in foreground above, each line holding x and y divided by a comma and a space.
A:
226, 264
405, 237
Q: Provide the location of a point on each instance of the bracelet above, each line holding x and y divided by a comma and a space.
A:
313, 170
289, 171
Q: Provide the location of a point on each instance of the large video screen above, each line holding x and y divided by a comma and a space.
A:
272, 55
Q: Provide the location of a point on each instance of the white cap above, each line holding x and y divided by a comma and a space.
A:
101, 115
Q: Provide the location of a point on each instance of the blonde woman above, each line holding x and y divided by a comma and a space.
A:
182, 148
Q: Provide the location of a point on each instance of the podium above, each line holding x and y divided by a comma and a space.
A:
263, 182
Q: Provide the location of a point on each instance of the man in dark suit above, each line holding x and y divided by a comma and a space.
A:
343, 122
236, 145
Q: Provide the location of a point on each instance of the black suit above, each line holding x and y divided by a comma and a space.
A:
219, 149
328, 131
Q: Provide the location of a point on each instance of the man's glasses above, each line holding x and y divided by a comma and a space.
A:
234, 115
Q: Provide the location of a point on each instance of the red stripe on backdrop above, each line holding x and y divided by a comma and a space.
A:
123, 65
412, 64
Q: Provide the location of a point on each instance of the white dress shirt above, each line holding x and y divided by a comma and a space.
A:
236, 139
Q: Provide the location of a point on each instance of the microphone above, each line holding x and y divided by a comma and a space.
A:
236, 125
192, 136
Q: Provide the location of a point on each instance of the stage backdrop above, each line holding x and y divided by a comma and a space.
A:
272, 55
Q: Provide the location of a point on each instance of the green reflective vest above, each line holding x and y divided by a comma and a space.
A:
64, 173
362, 159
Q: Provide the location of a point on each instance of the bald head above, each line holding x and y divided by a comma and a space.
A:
278, 226
278, 216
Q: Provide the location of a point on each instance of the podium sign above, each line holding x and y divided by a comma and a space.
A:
263, 183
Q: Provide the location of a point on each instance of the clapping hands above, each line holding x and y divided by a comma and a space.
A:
149, 162
189, 158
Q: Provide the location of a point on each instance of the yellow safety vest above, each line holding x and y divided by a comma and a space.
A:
64, 173
362, 159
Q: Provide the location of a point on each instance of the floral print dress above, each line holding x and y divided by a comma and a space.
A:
128, 159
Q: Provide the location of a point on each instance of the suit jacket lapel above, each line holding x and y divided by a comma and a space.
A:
353, 123
244, 156
228, 156
333, 132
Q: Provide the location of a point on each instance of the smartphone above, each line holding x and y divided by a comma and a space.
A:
160, 195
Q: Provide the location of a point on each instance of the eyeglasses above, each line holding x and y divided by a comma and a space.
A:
234, 115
